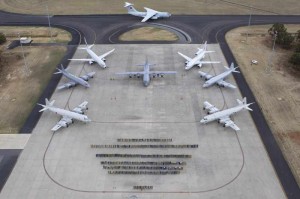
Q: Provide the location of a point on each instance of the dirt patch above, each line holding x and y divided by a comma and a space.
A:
275, 86
200, 7
19, 90
148, 34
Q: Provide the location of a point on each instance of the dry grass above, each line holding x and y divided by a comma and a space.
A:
173, 6
38, 34
276, 89
148, 34
18, 92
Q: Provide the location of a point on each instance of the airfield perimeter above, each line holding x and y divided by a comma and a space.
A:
226, 163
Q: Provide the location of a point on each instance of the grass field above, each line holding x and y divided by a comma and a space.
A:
18, 92
38, 34
199, 7
148, 34
275, 86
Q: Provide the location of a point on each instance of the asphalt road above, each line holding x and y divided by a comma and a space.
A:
99, 28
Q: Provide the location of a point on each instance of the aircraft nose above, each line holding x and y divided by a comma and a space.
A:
205, 85
202, 121
146, 83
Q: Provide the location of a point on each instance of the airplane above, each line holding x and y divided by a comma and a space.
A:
67, 116
94, 58
219, 79
74, 79
149, 14
223, 116
147, 74
200, 54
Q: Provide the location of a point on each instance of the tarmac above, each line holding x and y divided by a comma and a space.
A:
226, 164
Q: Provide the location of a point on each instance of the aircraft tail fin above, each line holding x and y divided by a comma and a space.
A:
205, 46
244, 103
130, 7
86, 44
47, 105
60, 70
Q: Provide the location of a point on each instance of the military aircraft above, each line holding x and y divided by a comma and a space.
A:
94, 58
74, 79
67, 116
149, 14
219, 79
200, 54
147, 74
223, 116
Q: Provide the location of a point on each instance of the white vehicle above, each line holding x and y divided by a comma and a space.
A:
219, 79
149, 14
67, 116
190, 62
94, 58
74, 79
223, 116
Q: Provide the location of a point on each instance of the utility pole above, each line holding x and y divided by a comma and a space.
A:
249, 23
268, 68
26, 69
49, 22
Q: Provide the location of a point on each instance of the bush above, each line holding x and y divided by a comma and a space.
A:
295, 59
297, 49
2, 38
287, 40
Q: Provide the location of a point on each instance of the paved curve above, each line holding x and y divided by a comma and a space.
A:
98, 28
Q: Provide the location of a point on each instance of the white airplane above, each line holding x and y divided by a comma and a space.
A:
200, 54
219, 79
94, 58
146, 73
149, 14
74, 79
67, 116
223, 116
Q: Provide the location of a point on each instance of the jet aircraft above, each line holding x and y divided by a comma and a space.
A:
74, 79
147, 74
219, 79
149, 14
223, 116
67, 116
200, 54
94, 58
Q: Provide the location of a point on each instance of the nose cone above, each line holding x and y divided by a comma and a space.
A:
169, 15
146, 83
202, 121
205, 85
87, 85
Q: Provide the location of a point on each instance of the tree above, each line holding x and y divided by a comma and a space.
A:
298, 35
2, 38
297, 49
295, 59
287, 40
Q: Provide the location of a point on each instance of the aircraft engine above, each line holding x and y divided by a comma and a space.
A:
186, 62
130, 76
153, 75
91, 62
162, 75
104, 59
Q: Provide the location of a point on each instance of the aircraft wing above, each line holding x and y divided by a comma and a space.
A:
67, 85
150, 13
131, 73
88, 60
162, 73
185, 57
88, 76
210, 107
229, 123
63, 122
205, 75
207, 62
225, 84
105, 54
81, 107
